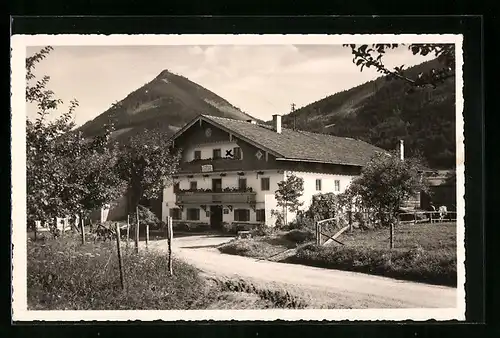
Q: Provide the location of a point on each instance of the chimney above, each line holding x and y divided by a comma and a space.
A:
402, 150
252, 121
277, 123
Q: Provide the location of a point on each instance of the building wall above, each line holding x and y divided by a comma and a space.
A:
117, 211
207, 150
264, 199
195, 138
327, 186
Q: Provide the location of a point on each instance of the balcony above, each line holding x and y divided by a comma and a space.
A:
208, 197
209, 165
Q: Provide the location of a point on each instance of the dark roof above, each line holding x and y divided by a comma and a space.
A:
299, 145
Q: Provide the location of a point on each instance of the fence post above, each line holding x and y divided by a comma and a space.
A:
36, 229
128, 230
147, 234
391, 234
82, 228
137, 231
169, 241
317, 232
120, 261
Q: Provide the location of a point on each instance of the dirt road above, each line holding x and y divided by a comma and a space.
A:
324, 288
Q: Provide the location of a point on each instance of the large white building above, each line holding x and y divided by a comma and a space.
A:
230, 169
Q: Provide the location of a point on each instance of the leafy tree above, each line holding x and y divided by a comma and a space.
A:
146, 163
91, 180
371, 56
386, 182
66, 173
323, 206
288, 194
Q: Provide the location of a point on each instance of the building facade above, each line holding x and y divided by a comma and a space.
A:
230, 169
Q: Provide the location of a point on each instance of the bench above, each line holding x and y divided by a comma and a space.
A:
244, 234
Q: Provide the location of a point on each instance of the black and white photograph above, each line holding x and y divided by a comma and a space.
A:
237, 177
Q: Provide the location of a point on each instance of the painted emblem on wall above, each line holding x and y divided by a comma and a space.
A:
208, 132
259, 154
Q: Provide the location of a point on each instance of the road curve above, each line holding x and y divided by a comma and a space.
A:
334, 288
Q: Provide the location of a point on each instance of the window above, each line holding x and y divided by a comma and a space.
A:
260, 215
197, 154
176, 213
176, 187
242, 183
193, 185
216, 153
242, 215
264, 183
337, 185
193, 214
318, 184
216, 184
237, 153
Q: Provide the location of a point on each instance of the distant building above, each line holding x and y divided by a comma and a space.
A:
442, 190
230, 169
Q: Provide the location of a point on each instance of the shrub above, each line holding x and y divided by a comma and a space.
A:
303, 220
146, 216
243, 247
437, 267
300, 235
262, 230
227, 227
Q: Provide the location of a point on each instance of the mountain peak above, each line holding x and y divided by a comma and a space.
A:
168, 101
163, 73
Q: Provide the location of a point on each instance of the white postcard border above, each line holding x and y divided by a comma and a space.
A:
18, 170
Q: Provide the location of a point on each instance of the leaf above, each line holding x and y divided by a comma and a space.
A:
363, 48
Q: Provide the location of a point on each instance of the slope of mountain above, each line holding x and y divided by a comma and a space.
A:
381, 112
168, 102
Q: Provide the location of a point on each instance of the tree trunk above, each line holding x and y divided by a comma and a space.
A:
285, 216
391, 235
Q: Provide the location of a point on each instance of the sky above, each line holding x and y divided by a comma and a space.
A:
261, 80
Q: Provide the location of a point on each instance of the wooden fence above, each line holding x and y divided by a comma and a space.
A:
346, 221
427, 217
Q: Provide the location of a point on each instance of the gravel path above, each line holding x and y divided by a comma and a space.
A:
322, 288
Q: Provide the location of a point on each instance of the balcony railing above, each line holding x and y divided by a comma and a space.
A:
202, 197
208, 165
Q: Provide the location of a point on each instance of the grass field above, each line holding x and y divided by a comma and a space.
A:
435, 236
422, 252
65, 275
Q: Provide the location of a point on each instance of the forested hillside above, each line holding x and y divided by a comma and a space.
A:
382, 112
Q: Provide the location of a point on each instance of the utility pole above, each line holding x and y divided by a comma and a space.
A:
294, 117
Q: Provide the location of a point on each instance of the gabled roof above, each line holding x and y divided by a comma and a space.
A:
295, 145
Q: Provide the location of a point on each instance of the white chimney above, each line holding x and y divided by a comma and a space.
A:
402, 150
277, 123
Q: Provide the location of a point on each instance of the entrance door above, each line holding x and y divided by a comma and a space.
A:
216, 217
216, 184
